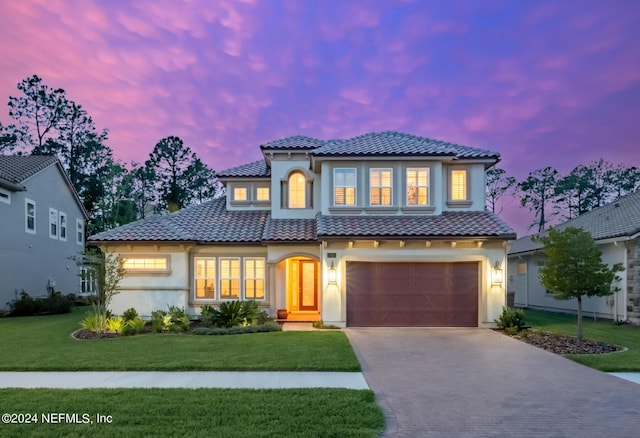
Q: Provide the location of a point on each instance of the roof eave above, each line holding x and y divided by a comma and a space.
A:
9, 185
414, 237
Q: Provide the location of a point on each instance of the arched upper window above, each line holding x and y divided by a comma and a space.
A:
297, 190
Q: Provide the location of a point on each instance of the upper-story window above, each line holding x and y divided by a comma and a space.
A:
297, 190
79, 231
380, 186
62, 222
418, 186
262, 194
53, 223
30, 216
458, 185
239, 194
344, 186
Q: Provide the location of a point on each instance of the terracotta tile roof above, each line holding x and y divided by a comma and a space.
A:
618, 219
17, 168
391, 143
254, 169
208, 222
448, 224
290, 230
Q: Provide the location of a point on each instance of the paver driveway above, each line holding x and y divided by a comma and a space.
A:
476, 383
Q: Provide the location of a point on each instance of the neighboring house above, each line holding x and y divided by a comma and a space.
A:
384, 229
42, 228
616, 230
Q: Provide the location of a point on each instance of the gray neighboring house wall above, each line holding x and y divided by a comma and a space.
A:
42, 225
616, 230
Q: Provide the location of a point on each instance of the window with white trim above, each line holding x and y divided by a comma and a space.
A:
240, 194
5, 196
297, 190
254, 278
62, 223
146, 264
262, 194
418, 186
30, 216
380, 186
53, 223
205, 277
344, 186
88, 281
79, 231
458, 185
229, 278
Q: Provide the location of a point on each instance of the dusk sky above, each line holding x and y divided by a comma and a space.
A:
542, 82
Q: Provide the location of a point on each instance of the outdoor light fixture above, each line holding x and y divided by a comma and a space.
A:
332, 274
496, 275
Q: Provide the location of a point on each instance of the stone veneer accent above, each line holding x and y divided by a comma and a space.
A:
633, 280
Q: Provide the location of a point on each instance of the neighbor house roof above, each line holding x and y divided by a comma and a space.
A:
211, 222
15, 169
620, 218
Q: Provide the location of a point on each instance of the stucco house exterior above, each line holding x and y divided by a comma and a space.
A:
616, 229
384, 229
42, 227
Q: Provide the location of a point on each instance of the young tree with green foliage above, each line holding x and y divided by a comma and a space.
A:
574, 268
537, 191
498, 185
107, 268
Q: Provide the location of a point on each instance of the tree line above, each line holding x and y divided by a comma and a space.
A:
549, 195
46, 122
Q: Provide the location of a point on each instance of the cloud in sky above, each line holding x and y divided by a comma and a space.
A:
544, 83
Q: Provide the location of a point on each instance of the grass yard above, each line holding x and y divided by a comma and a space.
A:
44, 343
606, 331
197, 412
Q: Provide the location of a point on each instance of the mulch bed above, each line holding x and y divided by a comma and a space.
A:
86, 334
565, 344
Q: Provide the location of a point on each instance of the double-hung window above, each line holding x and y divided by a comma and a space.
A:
380, 186
254, 278
30, 216
418, 186
205, 277
62, 222
229, 278
79, 231
344, 187
458, 185
53, 223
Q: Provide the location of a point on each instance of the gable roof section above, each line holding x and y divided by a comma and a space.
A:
15, 169
208, 222
462, 224
255, 169
617, 219
392, 143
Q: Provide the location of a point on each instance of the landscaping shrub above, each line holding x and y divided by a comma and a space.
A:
115, 324
270, 326
135, 325
94, 322
129, 314
54, 303
179, 321
235, 313
208, 316
510, 318
157, 320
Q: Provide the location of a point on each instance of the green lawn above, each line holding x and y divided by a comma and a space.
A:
196, 412
44, 343
606, 331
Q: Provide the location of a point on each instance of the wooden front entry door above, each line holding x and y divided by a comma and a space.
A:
308, 285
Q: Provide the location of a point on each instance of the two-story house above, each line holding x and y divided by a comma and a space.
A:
384, 229
42, 228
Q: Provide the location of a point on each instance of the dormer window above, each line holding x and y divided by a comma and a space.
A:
297, 190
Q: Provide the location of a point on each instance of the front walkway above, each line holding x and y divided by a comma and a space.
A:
180, 379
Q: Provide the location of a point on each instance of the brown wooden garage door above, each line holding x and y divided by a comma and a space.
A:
412, 294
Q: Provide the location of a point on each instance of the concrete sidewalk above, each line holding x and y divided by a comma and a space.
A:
179, 379
631, 377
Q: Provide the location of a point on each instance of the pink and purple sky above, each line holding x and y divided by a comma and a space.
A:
542, 82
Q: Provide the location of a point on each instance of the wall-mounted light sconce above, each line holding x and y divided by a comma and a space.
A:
333, 275
496, 274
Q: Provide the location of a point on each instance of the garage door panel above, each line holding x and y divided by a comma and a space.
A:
412, 294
